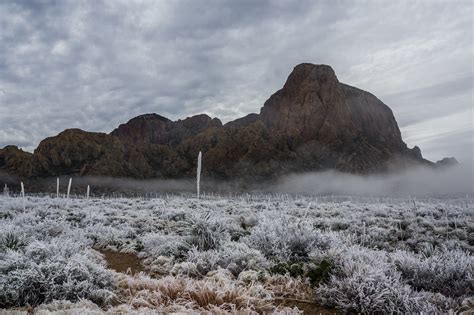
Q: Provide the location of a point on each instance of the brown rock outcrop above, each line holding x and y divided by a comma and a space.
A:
314, 122
155, 129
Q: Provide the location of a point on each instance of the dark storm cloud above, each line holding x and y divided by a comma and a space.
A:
96, 64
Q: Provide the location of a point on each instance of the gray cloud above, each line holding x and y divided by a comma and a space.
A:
96, 64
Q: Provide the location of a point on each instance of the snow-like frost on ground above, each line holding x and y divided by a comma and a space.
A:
241, 253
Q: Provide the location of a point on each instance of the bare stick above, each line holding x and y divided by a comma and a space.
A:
69, 187
198, 176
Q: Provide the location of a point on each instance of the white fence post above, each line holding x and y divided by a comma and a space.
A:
69, 187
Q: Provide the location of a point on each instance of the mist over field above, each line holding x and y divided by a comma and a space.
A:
448, 182
455, 181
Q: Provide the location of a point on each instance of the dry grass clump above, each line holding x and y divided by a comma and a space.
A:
284, 286
216, 293
64, 307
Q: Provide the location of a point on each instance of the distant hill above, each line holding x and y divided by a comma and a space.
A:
313, 123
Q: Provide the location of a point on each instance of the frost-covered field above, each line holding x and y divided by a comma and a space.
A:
249, 254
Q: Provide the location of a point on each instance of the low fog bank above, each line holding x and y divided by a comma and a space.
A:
452, 181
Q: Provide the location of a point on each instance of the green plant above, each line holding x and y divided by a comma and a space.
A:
12, 241
316, 273
321, 273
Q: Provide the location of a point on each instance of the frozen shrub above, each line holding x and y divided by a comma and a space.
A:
159, 266
50, 228
107, 236
364, 281
206, 233
284, 239
247, 222
165, 245
185, 269
249, 276
217, 293
45, 272
67, 307
372, 293
11, 238
288, 287
220, 274
467, 305
236, 257
447, 271
204, 261
315, 271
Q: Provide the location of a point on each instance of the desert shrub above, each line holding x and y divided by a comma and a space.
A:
206, 233
186, 268
447, 271
12, 238
364, 281
236, 257
44, 272
158, 266
12, 241
104, 236
247, 222
284, 239
49, 228
204, 261
315, 272
372, 293
217, 293
294, 270
320, 272
284, 286
156, 245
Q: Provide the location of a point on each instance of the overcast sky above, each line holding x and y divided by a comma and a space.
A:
96, 64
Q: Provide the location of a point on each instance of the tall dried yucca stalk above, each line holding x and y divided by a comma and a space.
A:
69, 187
198, 175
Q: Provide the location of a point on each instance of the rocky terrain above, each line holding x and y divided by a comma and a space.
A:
313, 123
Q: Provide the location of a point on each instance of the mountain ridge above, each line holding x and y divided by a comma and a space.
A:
314, 122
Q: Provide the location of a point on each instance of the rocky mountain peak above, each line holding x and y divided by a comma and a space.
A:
307, 76
314, 122
156, 129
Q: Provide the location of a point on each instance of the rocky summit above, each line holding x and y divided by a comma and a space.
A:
313, 123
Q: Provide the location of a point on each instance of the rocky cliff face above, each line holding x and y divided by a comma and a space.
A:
314, 122
155, 129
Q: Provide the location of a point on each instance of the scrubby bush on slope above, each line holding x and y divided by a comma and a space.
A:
446, 271
43, 272
284, 239
236, 257
366, 281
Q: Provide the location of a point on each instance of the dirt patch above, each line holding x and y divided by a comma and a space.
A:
309, 308
122, 262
